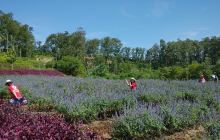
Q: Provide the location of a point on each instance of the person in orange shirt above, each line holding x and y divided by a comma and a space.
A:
17, 98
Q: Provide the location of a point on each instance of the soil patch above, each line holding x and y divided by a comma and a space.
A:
195, 133
103, 128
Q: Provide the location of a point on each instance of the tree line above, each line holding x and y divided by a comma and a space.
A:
76, 55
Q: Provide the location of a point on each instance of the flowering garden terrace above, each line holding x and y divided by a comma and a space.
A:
157, 108
31, 72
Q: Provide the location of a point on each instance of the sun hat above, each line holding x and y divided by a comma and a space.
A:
8, 81
213, 76
133, 79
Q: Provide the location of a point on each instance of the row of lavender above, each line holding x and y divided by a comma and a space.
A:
156, 107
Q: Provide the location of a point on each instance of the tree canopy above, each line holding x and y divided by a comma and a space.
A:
109, 55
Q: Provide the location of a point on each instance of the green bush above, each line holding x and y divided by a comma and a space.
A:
171, 122
153, 98
213, 130
143, 126
41, 104
217, 68
37, 103
98, 109
165, 73
100, 70
182, 117
71, 66
211, 102
195, 70
207, 68
3, 58
50, 64
178, 73
186, 96
4, 93
28, 63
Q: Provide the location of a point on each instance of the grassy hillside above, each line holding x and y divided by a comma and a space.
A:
38, 62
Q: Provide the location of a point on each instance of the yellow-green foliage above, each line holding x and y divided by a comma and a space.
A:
3, 58
28, 63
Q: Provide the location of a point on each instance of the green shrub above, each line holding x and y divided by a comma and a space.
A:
41, 104
195, 70
187, 96
213, 130
143, 126
153, 98
3, 57
217, 68
71, 66
177, 73
22, 63
182, 117
98, 109
50, 64
171, 122
211, 102
100, 70
4, 93
165, 73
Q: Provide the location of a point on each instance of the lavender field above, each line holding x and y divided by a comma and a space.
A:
156, 108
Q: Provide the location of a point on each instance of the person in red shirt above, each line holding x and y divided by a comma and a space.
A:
17, 98
132, 83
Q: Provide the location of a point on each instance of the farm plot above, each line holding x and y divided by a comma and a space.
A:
155, 109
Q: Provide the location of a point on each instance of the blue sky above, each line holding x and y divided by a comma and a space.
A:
137, 23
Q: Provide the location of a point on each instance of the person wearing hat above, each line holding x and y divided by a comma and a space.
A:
132, 83
214, 77
17, 98
202, 79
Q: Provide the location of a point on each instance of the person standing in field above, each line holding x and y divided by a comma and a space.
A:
17, 98
202, 79
132, 83
214, 78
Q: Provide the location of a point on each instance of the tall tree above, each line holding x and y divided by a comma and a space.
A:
152, 56
13, 33
110, 47
126, 53
77, 46
138, 54
162, 59
56, 44
92, 47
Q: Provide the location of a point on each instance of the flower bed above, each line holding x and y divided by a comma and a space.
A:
18, 124
31, 72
